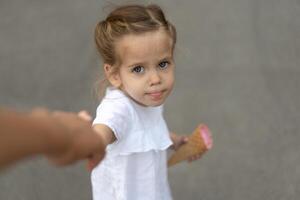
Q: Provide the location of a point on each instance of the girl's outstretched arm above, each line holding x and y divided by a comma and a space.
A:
106, 133
107, 136
177, 140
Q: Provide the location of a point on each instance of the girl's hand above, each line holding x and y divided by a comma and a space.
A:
180, 140
93, 159
193, 158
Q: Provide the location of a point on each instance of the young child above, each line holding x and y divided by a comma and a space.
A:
136, 44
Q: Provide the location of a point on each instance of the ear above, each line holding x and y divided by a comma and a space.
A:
112, 75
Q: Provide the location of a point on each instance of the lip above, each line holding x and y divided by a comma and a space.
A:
156, 95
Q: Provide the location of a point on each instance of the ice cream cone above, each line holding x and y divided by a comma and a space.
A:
198, 143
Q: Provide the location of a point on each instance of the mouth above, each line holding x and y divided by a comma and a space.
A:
156, 95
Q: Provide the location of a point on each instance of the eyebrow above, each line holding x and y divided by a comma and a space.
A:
136, 64
167, 57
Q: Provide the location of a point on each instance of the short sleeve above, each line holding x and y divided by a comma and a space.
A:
115, 114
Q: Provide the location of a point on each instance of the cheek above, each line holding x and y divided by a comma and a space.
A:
133, 86
170, 79
126, 79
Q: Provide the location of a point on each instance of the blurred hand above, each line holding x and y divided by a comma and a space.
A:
93, 160
71, 138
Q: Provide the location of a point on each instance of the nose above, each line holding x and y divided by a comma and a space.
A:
155, 78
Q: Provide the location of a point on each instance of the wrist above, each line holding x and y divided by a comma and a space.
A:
173, 137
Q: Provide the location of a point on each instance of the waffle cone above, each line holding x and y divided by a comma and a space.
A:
196, 145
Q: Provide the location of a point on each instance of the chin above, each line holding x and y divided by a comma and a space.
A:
155, 104
147, 103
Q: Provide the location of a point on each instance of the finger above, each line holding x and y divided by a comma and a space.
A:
176, 147
181, 141
94, 160
196, 157
39, 110
192, 158
59, 161
185, 139
89, 165
85, 115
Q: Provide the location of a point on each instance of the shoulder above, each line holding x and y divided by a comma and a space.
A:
115, 104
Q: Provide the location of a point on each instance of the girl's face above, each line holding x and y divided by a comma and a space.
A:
146, 72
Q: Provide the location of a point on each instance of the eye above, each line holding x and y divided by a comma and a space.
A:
164, 64
138, 69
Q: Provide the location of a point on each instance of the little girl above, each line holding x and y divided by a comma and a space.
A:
136, 44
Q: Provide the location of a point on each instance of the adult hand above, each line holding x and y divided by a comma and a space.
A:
71, 138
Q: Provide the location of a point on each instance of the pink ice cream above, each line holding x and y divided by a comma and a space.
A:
206, 135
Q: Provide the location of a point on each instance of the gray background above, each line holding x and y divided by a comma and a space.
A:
238, 70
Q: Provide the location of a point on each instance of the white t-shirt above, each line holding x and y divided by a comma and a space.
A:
135, 165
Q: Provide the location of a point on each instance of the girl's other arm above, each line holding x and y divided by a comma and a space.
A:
177, 140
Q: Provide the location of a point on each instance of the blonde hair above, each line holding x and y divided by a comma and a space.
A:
124, 20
